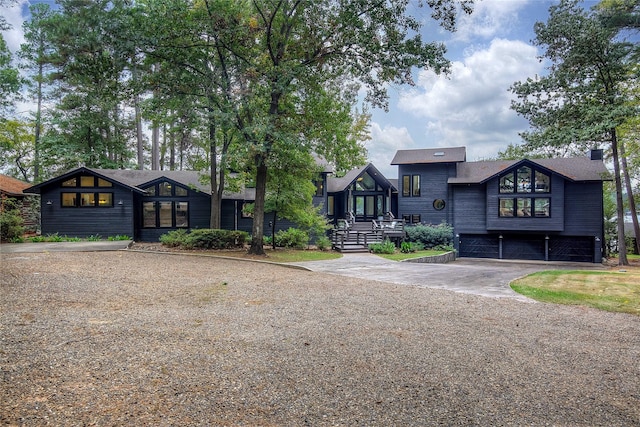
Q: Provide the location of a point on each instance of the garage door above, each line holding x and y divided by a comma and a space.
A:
478, 246
523, 247
571, 248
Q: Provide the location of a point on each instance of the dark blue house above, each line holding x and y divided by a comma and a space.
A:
539, 209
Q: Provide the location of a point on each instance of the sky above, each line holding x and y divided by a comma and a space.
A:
469, 107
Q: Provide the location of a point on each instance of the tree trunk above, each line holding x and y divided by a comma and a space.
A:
36, 147
216, 196
622, 246
139, 140
155, 147
632, 202
257, 231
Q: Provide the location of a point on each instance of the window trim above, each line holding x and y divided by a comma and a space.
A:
78, 198
517, 209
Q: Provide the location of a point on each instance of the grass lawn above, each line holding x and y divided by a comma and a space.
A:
616, 290
283, 255
399, 256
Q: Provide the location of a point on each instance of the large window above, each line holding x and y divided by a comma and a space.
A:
525, 207
86, 200
165, 214
521, 182
167, 209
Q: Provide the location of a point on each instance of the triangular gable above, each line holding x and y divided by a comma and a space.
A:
81, 170
336, 185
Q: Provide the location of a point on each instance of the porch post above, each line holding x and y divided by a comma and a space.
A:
546, 248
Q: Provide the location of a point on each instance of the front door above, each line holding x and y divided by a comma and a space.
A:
368, 207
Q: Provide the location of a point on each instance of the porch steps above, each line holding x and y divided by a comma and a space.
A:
356, 239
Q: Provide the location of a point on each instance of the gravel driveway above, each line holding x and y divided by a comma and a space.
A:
128, 338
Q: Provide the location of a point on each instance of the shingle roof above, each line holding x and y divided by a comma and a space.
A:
137, 178
11, 186
575, 169
335, 185
430, 155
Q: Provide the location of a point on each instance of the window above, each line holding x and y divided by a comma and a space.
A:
164, 189
524, 207
87, 181
506, 207
149, 214
523, 179
541, 207
86, 200
69, 200
406, 185
415, 219
365, 183
104, 183
411, 186
165, 214
542, 182
181, 191
70, 182
151, 191
331, 205
415, 182
319, 187
506, 183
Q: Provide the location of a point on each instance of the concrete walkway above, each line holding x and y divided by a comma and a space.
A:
484, 277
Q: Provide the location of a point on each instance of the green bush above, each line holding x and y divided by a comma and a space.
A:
205, 239
174, 238
291, 238
431, 236
410, 247
55, 237
386, 247
11, 220
118, 237
323, 243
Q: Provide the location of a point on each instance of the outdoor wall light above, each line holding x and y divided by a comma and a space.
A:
49, 202
120, 203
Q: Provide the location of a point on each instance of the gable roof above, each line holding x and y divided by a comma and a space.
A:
574, 169
335, 185
430, 155
12, 186
132, 179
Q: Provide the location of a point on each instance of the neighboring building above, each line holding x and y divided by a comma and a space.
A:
539, 209
13, 188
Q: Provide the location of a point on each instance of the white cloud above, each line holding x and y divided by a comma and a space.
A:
384, 143
13, 14
471, 107
490, 18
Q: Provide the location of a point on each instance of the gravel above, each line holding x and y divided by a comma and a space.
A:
131, 338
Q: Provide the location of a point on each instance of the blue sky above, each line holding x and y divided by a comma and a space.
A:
470, 107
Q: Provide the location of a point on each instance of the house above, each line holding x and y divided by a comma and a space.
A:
143, 204
537, 209
13, 188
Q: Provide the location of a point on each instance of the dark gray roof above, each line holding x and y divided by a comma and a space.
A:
335, 185
137, 178
430, 155
574, 169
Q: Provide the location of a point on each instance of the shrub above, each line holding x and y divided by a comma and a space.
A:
291, 238
11, 220
55, 237
323, 243
386, 247
174, 238
410, 247
431, 236
205, 238
118, 237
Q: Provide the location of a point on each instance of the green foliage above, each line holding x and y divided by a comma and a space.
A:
291, 238
94, 238
323, 243
205, 239
430, 236
11, 220
410, 247
386, 247
174, 238
55, 237
118, 237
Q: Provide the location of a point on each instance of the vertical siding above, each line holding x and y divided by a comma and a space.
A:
433, 185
